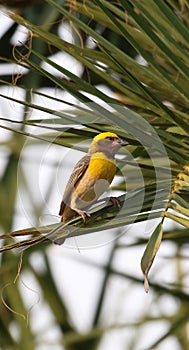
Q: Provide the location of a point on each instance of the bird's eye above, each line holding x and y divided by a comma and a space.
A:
111, 138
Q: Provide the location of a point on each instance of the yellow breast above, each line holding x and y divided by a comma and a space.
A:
101, 167
95, 182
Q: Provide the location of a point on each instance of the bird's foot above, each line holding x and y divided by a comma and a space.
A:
115, 201
82, 213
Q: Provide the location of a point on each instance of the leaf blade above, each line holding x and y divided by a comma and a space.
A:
150, 253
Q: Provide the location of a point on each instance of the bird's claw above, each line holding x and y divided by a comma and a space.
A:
82, 213
115, 201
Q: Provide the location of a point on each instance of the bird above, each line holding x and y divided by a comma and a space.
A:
91, 177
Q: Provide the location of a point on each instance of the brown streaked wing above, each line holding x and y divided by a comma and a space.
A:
76, 175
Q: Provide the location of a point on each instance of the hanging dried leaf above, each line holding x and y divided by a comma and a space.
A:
150, 253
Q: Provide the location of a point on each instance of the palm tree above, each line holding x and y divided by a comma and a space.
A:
82, 67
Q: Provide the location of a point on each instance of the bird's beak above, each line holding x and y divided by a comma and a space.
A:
122, 142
